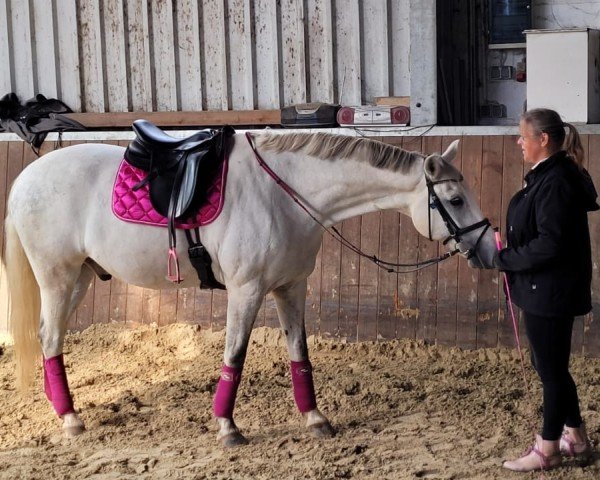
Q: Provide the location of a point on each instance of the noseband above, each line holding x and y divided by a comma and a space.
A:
456, 232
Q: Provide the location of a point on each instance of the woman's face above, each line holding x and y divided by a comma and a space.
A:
533, 144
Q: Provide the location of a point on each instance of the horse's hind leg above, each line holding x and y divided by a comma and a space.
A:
59, 299
291, 300
242, 307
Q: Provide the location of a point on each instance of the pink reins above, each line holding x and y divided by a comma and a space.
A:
389, 267
512, 314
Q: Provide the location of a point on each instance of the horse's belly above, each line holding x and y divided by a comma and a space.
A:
137, 254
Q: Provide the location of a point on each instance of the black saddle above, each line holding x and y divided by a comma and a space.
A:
174, 165
150, 134
179, 170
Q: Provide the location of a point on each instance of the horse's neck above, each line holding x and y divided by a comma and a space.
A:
345, 188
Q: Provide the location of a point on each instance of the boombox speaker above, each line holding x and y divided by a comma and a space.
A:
373, 115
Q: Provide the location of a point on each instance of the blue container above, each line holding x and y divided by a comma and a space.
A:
508, 19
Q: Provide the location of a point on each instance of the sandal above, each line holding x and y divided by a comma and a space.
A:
571, 448
534, 459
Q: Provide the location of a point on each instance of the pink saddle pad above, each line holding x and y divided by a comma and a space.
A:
135, 206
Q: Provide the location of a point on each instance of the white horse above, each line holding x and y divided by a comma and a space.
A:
60, 229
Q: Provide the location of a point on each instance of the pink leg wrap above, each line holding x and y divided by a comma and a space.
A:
56, 386
226, 391
47, 389
304, 389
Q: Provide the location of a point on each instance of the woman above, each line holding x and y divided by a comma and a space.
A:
549, 267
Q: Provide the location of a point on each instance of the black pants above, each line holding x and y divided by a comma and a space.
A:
550, 343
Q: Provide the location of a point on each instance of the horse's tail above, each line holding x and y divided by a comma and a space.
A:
24, 306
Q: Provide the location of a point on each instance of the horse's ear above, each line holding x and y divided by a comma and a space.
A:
450, 154
433, 166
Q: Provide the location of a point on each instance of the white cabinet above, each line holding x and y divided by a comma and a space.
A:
563, 72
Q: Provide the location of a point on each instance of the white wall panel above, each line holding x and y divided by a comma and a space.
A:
423, 63
165, 85
188, 55
399, 51
119, 55
91, 54
375, 63
294, 60
266, 53
116, 69
5, 51
554, 14
320, 48
22, 49
215, 66
140, 77
69, 75
45, 48
240, 55
347, 21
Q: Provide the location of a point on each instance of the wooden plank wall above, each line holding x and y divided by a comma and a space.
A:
178, 55
348, 298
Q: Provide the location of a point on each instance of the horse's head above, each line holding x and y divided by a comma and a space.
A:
445, 209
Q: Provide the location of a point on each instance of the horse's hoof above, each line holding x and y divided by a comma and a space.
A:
74, 431
322, 430
232, 440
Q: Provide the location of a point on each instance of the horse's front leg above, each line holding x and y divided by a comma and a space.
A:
291, 301
242, 307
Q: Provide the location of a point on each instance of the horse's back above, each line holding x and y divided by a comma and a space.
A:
76, 164
68, 169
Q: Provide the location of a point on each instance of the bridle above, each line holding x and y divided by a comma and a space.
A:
456, 232
390, 267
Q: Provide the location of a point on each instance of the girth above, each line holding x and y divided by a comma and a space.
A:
179, 173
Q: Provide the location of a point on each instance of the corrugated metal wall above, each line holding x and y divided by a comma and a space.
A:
157, 55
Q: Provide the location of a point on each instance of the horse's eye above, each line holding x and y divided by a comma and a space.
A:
456, 202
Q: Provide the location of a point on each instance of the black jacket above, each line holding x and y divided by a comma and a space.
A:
548, 259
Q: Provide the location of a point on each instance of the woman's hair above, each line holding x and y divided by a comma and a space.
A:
547, 121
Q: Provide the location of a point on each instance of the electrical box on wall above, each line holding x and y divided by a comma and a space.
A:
563, 72
504, 72
492, 110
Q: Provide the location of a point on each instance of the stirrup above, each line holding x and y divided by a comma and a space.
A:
173, 261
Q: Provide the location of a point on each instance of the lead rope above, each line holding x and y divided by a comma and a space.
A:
333, 232
519, 349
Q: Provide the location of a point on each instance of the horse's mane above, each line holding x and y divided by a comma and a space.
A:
329, 146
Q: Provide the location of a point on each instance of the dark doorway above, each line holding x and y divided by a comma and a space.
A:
460, 51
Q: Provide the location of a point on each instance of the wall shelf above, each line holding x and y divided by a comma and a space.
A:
502, 46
